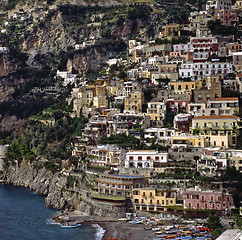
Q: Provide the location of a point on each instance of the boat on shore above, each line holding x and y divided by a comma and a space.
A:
71, 225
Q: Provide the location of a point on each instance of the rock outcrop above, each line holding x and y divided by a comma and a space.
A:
6, 66
92, 58
49, 37
62, 192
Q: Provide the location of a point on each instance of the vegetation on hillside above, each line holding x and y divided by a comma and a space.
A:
50, 140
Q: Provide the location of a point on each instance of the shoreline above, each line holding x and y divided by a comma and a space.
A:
106, 227
124, 231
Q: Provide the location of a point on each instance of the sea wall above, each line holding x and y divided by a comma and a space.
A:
62, 192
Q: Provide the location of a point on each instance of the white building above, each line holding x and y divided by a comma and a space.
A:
155, 59
214, 6
162, 135
194, 108
68, 77
199, 70
182, 47
144, 158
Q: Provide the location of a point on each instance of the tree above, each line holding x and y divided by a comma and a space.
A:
106, 33
214, 223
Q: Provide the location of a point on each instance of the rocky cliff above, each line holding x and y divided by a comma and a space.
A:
51, 36
62, 192
92, 58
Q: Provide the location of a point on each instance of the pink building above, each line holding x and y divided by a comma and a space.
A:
228, 17
207, 200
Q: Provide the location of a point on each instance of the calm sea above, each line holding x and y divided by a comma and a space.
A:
24, 216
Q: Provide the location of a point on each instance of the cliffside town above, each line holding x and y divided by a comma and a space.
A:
109, 110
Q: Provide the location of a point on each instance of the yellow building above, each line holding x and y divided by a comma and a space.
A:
144, 74
236, 162
113, 90
100, 90
182, 86
79, 97
100, 101
219, 130
170, 29
86, 97
156, 111
150, 199
188, 141
133, 103
208, 81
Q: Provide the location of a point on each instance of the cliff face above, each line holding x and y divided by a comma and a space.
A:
6, 66
56, 187
92, 58
48, 37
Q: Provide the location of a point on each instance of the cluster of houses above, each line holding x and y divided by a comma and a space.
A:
176, 96
183, 97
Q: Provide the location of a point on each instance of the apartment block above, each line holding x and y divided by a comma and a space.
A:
145, 158
149, 199
193, 199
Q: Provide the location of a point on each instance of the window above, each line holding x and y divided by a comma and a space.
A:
136, 200
197, 125
151, 201
158, 201
157, 158
131, 158
148, 158
142, 200
139, 158
150, 194
205, 124
203, 198
211, 198
143, 194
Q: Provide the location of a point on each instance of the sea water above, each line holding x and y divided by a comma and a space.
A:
24, 216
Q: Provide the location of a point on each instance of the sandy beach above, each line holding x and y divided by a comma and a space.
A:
125, 231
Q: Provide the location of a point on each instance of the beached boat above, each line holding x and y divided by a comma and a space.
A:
71, 225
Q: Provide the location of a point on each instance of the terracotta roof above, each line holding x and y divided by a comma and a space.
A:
227, 99
217, 117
